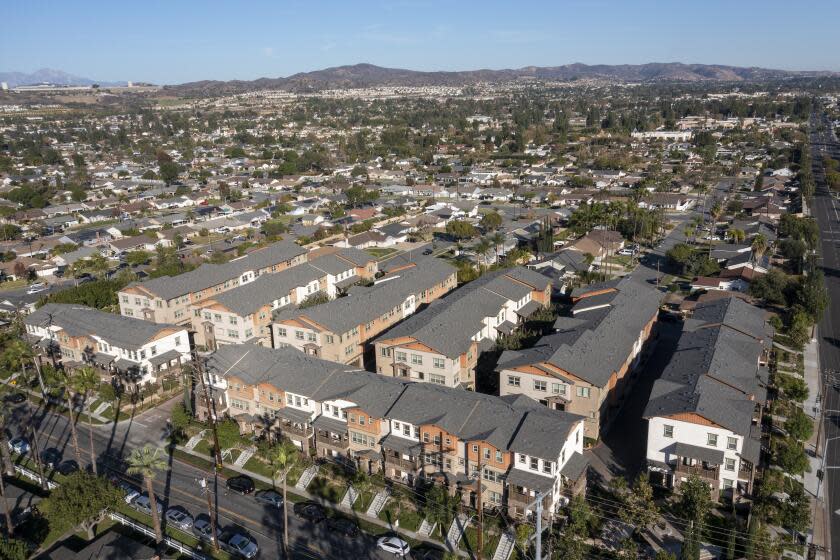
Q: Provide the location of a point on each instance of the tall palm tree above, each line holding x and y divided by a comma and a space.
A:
481, 249
147, 461
284, 459
759, 246
497, 239
67, 381
6, 466
84, 382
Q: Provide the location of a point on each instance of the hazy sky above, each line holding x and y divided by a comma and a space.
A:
175, 41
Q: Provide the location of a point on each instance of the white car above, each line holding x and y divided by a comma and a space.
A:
179, 518
394, 545
36, 288
626, 252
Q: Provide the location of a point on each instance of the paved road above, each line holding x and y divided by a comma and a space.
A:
826, 210
178, 486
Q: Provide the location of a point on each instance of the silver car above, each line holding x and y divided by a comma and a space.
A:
180, 518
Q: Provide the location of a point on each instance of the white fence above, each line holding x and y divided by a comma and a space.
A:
35, 477
148, 531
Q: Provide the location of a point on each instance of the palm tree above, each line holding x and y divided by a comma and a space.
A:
284, 458
481, 249
759, 246
67, 381
146, 462
6, 466
497, 239
85, 381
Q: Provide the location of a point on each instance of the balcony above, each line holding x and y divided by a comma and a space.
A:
400, 463
290, 429
342, 444
698, 470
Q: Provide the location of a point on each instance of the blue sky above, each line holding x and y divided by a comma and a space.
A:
176, 41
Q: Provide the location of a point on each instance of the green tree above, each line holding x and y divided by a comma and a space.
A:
228, 432
460, 229
136, 258
791, 456
798, 425
491, 221
284, 458
813, 295
81, 502
147, 461
169, 171
180, 418
638, 507
84, 382
13, 549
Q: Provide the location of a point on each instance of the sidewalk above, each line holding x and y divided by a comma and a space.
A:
811, 406
52, 400
328, 504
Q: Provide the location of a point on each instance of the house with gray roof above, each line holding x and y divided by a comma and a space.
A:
410, 432
584, 365
340, 329
442, 343
133, 349
704, 412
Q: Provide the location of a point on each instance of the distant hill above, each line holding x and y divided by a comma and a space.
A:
367, 75
50, 76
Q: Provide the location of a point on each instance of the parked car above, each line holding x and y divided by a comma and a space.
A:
239, 544
179, 517
36, 288
67, 467
626, 252
311, 511
427, 552
50, 457
144, 505
19, 445
343, 526
202, 529
269, 497
394, 545
241, 484
14, 398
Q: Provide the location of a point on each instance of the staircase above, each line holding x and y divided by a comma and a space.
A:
306, 477
456, 531
427, 528
378, 503
505, 547
100, 410
349, 498
244, 456
194, 440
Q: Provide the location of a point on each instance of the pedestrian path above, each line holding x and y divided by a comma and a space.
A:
505, 547
811, 406
246, 454
378, 503
306, 477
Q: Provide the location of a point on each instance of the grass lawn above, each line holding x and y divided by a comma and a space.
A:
256, 466
323, 488
409, 519
380, 252
203, 447
362, 503
470, 542
13, 284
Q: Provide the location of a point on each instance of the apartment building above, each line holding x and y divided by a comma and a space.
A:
585, 366
410, 432
135, 349
442, 343
244, 313
168, 299
339, 330
704, 412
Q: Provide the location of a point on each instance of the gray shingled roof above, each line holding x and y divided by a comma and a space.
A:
208, 275
248, 298
364, 304
79, 320
519, 425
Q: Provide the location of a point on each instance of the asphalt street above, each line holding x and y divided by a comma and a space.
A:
179, 486
826, 210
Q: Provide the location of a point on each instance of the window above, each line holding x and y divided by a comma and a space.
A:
583, 392
711, 439
439, 363
499, 457
154, 350
535, 463
311, 337
328, 338
417, 359
217, 317
281, 332
728, 483
541, 386
729, 464
207, 316
361, 420
349, 350
548, 466
732, 443
520, 458
513, 380
425, 437
437, 379
384, 351
299, 335
558, 389
436, 440
406, 430
249, 333
486, 454
668, 431
401, 357
475, 448
233, 320
233, 334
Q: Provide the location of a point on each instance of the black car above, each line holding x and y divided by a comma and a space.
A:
428, 252
427, 552
269, 497
15, 398
51, 457
67, 467
311, 511
343, 526
241, 484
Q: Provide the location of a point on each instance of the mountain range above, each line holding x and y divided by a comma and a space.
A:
50, 76
367, 75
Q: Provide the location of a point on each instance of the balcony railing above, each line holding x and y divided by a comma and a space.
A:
401, 463
698, 470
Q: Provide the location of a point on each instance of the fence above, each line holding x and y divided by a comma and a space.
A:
170, 542
32, 475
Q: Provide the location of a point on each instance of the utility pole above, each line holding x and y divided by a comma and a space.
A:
210, 510
538, 509
479, 504
211, 409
